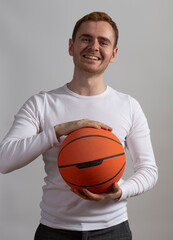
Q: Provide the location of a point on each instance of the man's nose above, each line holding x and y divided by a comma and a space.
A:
94, 45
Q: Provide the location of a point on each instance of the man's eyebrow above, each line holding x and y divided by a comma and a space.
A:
105, 39
85, 35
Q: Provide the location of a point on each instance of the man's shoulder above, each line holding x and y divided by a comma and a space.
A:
50, 93
118, 94
125, 98
42, 96
59, 90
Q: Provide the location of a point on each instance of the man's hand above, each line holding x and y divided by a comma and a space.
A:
113, 194
66, 128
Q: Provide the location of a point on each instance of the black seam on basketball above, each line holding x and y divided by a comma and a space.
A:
91, 163
95, 185
86, 137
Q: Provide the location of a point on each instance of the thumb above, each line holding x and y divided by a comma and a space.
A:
117, 190
116, 187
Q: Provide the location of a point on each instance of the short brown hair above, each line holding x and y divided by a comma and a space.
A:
96, 16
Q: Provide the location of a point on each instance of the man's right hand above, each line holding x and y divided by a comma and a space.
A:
68, 127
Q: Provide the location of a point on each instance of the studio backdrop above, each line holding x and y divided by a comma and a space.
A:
34, 56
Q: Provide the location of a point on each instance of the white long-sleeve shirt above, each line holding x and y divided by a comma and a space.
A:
32, 134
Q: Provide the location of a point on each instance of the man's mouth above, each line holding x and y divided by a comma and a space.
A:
92, 57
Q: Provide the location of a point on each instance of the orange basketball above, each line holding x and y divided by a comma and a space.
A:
91, 158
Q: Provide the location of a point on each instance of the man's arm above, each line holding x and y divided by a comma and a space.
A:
139, 145
25, 141
68, 127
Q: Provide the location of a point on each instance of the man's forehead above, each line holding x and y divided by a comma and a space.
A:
95, 29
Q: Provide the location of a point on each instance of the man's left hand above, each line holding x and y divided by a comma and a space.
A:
113, 194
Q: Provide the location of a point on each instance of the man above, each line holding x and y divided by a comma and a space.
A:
46, 118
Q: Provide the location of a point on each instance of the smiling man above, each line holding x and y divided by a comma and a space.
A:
93, 48
86, 101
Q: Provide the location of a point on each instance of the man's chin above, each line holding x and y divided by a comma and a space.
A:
93, 70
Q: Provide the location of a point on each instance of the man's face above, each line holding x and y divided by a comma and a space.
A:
93, 48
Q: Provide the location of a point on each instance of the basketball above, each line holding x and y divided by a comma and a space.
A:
91, 158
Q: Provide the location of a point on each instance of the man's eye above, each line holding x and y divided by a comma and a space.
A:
103, 43
85, 40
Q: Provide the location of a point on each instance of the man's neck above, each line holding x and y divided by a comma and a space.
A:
87, 84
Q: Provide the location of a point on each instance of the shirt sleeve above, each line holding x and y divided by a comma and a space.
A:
139, 145
26, 140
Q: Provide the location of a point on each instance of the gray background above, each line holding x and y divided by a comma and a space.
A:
34, 56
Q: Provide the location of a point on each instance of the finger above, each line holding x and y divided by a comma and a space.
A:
104, 126
92, 123
93, 196
99, 125
116, 187
80, 194
117, 190
107, 127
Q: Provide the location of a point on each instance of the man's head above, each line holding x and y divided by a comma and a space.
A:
93, 43
96, 16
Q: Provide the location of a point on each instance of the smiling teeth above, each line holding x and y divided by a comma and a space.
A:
92, 57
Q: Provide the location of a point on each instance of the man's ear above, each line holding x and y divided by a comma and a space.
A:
70, 49
114, 54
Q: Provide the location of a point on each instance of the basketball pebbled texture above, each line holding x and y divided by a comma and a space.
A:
91, 158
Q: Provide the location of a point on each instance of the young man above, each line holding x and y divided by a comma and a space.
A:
46, 118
